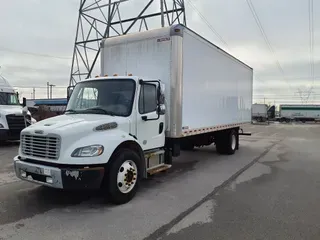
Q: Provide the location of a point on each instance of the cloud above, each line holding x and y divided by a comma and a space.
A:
49, 27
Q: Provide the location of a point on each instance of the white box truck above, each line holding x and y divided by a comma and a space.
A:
11, 119
299, 112
158, 91
259, 112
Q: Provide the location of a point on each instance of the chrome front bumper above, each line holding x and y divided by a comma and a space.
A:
55, 177
36, 173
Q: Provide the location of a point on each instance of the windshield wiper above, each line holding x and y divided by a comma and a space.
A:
70, 111
101, 110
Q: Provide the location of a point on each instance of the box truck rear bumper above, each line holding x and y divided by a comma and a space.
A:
56, 177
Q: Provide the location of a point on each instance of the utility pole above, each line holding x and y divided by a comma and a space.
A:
34, 93
51, 85
48, 90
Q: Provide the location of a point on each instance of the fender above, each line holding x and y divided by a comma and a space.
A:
110, 139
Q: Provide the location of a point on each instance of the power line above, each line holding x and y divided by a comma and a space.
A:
213, 29
291, 78
311, 32
207, 23
32, 54
264, 35
311, 41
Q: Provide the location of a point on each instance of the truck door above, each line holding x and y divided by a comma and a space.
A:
150, 125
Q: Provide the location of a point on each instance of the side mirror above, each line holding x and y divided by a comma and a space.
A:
25, 111
160, 94
69, 92
24, 102
161, 109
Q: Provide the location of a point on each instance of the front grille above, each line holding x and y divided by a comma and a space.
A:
17, 123
47, 147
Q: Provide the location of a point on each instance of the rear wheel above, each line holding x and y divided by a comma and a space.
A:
226, 142
123, 177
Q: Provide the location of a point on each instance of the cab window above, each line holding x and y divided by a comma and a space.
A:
148, 98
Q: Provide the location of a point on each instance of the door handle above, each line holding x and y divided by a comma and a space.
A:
160, 127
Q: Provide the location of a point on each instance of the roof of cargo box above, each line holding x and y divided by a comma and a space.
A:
300, 105
160, 32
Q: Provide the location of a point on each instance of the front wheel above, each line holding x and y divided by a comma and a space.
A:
123, 176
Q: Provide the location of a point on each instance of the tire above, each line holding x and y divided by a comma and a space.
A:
221, 149
231, 144
227, 142
125, 162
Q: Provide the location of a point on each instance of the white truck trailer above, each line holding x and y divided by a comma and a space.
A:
11, 119
299, 112
260, 112
158, 91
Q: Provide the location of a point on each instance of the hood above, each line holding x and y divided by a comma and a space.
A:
68, 124
10, 109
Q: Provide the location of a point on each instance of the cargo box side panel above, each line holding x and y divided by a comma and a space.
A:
302, 111
217, 89
148, 58
259, 110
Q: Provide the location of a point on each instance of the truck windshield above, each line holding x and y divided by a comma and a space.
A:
112, 97
8, 99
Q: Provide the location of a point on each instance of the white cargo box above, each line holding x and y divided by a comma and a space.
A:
300, 111
259, 110
206, 88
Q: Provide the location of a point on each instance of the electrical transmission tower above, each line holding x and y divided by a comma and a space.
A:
99, 19
305, 94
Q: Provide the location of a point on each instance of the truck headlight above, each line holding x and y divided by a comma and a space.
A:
88, 151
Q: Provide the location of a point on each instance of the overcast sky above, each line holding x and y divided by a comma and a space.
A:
44, 27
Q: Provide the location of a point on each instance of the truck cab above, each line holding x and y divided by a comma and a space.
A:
111, 129
12, 120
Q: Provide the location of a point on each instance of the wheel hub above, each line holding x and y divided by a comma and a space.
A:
233, 142
127, 176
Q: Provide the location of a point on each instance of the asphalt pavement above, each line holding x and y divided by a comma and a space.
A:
267, 190
277, 198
